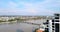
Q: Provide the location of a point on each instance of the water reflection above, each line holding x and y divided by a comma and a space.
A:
19, 30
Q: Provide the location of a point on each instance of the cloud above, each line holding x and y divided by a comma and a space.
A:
31, 10
46, 7
11, 4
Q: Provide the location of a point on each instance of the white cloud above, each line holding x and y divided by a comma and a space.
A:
33, 8
12, 4
28, 7
9, 10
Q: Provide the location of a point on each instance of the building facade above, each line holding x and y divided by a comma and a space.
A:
53, 25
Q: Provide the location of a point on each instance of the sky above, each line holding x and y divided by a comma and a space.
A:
29, 7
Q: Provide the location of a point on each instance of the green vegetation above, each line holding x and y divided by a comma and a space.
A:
18, 19
10, 20
2, 21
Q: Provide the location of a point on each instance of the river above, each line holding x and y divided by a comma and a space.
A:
20, 27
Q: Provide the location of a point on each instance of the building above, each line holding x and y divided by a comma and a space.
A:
53, 24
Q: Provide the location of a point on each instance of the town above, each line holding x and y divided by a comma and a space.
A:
8, 19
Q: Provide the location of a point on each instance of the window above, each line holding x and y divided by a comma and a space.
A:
53, 26
56, 20
56, 14
52, 23
56, 17
53, 20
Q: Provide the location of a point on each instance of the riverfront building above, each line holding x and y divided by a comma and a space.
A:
56, 23
53, 25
